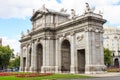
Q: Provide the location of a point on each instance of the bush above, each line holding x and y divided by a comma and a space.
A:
113, 69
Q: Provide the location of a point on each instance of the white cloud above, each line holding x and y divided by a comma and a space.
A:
23, 8
13, 43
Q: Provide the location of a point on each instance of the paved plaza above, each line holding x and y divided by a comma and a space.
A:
103, 78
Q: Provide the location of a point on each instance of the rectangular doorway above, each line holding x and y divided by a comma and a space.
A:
81, 60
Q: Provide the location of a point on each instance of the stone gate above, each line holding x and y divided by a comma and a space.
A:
63, 43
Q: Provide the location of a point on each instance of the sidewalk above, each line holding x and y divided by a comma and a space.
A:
106, 74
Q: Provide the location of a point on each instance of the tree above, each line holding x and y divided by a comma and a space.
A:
107, 57
15, 63
5, 54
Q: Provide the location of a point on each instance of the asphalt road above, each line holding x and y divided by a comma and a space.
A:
103, 78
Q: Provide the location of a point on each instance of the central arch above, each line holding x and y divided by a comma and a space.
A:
65, 56
39, 57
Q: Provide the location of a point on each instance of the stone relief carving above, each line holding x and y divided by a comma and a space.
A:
80, 37
72, 33
64, 35
92, 29
97, 44
89, 29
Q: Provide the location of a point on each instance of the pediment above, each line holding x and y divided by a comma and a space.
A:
36, 15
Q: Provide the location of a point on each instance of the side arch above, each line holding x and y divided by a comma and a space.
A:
39, 56
116, 62
65, 56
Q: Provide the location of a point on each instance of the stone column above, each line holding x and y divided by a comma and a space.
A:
50, 56
32, 58
102, 52
58, 64
102, 49
87, 51
44, 57
73, 55
94, 52
93, 47
27, 59
35, 57
21, 60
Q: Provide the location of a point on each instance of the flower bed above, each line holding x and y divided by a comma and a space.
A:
34, 75
113, 69
25, 75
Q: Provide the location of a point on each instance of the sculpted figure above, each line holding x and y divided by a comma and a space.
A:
44, 9
73, 13
28, 31
22, 34
63, 10
87, 8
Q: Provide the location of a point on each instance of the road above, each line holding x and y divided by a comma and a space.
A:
102, 78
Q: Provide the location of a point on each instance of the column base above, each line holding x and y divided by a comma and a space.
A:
57, 69
31, 69
73, 70
26, 69
93, 69
48, 69
21, 69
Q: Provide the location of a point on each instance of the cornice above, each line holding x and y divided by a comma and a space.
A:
46, 29
81, 19
26, 38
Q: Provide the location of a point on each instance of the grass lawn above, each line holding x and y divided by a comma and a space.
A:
51, 77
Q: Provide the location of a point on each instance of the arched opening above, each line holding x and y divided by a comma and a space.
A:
39, 57
24, 63
116, 63
30, 51
65, 56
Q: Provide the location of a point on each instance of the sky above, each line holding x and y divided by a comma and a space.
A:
15, 15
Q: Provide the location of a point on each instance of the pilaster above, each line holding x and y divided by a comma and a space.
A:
32, 58
35, 57
73, 55
102, 50
49, 56
58, 58
27, 59
87, 51
21, 60
44, 57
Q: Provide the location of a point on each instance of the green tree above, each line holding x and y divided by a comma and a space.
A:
107, 57
15, 63
5, 54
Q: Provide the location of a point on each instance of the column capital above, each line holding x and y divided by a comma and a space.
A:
72, 33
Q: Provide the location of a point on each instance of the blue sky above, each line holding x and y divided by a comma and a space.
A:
13, 27
15, 15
